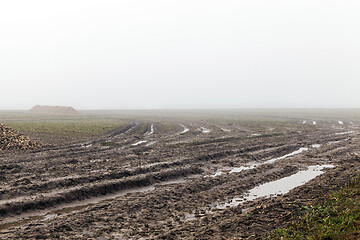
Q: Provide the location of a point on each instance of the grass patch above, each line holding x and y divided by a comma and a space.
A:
74, 128
167, 127
337, 217
141, 128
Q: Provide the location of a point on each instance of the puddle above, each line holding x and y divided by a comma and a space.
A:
255, 165
341, 122
151, 130
96, 160
205, 130
316, 145
278, 187
314, 122
217, 173
287, 155
239, 169
49, 216
225, 130
255, 135
343, 133
150, 143
185, 129
138, 143
130, 129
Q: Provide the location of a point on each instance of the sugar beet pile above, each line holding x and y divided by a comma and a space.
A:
11, 139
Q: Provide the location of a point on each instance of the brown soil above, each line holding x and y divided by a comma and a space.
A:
110, 188
52, 110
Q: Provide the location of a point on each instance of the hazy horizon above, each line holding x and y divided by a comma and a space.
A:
180, 54
209, 109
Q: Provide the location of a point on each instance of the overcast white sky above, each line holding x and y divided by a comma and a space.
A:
179, 54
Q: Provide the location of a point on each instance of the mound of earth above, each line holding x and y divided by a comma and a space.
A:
53, 110
11, 139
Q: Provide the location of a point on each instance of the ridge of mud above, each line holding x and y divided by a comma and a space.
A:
83, 192
86, 179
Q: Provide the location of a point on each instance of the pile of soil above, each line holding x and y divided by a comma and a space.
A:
11, 139
53, 110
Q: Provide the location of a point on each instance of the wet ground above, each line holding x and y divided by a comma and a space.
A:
210, 179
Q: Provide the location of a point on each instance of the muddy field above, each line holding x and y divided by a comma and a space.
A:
161, 177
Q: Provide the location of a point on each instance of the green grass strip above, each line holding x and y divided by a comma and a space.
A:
337, 217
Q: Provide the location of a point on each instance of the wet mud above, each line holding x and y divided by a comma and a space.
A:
197, 180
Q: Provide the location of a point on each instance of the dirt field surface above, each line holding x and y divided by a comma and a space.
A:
178, 175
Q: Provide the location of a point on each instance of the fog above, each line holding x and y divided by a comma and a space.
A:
180, 54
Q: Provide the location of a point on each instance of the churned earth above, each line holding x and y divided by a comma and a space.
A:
177, 178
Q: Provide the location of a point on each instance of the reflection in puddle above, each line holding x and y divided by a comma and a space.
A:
254, 165
225, 130
151, 143
151, 130
343, 133
255, 135
287, 155
281, 186
138, 143
185, 129
239, 169
49, 216
217, 173
205, 130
